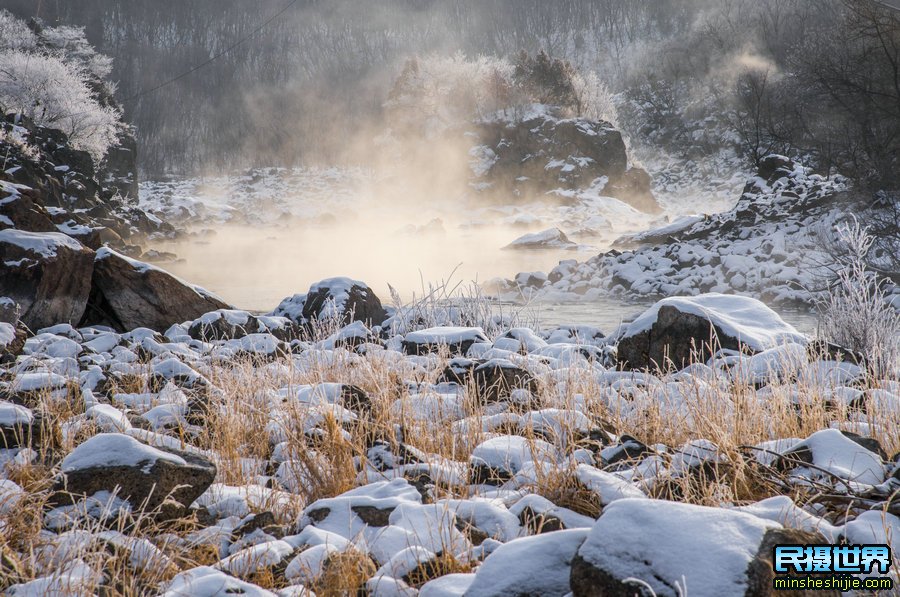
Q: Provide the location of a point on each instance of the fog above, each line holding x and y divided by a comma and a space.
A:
256, 268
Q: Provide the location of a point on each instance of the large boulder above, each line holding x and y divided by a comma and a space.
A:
678, 548
143, 475
543, 153
678, 330
47, 273
128, 294
345, 300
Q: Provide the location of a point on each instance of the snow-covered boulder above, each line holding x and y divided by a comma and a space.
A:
143, 475
458, 340
675, 329
47, 273
128, 294
677, 549
537, 565
345, 300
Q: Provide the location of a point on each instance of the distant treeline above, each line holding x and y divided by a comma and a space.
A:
816, 78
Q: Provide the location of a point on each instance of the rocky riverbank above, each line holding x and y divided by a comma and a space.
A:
336, 445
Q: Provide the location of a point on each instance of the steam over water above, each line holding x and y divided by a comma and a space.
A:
256, 268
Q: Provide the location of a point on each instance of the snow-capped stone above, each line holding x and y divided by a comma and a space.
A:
676, 329
552, 238
343, 299
657, 542
609, 486
18, 426
223, 324
143, 475
47, 273
538, 565
458, 340
833, 452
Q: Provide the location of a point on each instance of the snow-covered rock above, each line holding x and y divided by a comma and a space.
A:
142, 295
676, 329
538, 565
658, 542
47, 273
552, 238
458, 340
146, 476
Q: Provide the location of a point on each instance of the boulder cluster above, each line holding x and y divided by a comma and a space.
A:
773, 245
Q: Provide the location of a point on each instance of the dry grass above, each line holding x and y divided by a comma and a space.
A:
238, 427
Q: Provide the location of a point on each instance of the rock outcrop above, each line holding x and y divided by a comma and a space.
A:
48, 274
544, 153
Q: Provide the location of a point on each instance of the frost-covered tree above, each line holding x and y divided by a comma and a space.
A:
855, 312
54, 77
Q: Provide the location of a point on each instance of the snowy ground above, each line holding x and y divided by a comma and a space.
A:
439, 461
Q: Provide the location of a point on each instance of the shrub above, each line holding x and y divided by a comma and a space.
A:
855, 313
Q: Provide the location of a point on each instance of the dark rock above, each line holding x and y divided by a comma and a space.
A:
372, 516
25, 213
496, 379
458, 371
252, 523
48, 274
773, 167
344, 299
540, 522
143, 475
356, 399
127, 294
541, 154
628, 449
